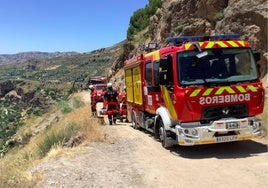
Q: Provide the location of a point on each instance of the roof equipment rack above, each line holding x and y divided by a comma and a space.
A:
179, 40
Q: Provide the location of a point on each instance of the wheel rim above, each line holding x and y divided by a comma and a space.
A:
161, 133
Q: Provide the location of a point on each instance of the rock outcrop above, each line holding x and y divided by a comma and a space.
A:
207, 17
24, 93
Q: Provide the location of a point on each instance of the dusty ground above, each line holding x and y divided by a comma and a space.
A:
132, 158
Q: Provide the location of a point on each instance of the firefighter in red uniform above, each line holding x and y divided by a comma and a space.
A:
123, 105
93, 101
110, 97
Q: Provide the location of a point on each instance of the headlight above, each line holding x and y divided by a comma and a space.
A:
257, 125
194, 132
191, 132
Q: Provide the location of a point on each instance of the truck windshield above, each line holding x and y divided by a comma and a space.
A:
93, 82
218, 66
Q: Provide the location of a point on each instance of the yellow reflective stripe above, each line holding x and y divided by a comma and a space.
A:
168, 102
252, 88
241, 89
233, 44
187, 46
211, 141
156, 55
221, 44
246, 137
210, 44
201, 43
195, 92
208, 91
222, 89
242, 43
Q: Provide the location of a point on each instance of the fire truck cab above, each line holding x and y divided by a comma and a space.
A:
197, 90
97, 80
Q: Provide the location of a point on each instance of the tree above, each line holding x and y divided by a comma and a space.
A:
141, 18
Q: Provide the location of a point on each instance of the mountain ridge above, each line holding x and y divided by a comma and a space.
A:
21, 57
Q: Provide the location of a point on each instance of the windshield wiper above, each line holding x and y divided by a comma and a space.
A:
221, 82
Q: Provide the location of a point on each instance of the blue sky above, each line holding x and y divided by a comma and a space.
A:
64, 25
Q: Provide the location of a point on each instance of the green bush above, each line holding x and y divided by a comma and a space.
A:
179, 28
77, 103
219, 15
10, 121
141, 18
65, 106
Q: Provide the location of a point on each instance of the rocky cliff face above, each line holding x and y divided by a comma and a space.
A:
23, 93
207, 17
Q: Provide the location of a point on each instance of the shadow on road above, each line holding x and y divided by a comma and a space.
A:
239, 149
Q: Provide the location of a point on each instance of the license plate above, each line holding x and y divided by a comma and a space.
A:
232, 125
227, 138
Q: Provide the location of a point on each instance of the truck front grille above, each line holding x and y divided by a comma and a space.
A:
218, 112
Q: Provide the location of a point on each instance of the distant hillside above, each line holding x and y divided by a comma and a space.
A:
24, 56
61, 67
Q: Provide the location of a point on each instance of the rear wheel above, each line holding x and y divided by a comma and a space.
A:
133, 120
121, 119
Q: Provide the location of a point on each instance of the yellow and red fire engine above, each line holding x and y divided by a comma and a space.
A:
196, 90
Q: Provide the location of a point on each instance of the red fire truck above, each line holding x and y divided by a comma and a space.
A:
197, 90
96, 96
96, 86
97, 80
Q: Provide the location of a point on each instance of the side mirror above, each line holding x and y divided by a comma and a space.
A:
163, 63
257, 56
202, 55
163, 77
165, 66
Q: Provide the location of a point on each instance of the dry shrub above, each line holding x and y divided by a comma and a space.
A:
92, 131
13, 173
89, 127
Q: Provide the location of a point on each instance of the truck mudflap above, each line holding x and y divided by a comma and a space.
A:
220, 131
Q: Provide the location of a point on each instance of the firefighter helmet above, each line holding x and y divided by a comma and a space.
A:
91, 87
109, 85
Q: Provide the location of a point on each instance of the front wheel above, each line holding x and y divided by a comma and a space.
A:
163, 135
156, 129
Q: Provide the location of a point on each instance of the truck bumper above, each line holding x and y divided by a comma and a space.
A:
223, 130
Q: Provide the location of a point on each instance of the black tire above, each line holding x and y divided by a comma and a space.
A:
163, 134
133, 120
156, 129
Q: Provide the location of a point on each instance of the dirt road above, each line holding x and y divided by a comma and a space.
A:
133, 158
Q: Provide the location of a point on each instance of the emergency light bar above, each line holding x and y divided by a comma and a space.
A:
183, 39
150, 46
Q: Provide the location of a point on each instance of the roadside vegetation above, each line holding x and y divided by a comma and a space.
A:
141, 18
71, 128
25, 99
